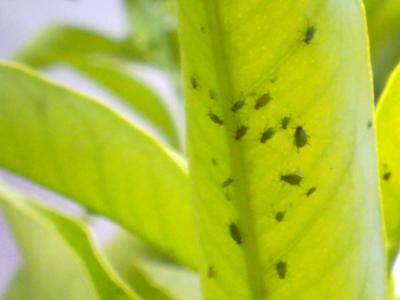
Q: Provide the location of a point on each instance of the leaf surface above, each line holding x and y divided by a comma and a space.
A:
83, 150
282, 156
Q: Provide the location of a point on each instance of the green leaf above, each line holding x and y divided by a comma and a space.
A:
279, 101
384, 33
83, 150
136, 263
387, 124
65, 43
94, 55
60, 260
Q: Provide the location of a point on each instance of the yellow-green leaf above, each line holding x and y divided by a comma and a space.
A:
60, 260
85, 151
282, 154
387, 124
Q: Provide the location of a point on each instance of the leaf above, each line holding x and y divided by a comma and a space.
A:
387, 123
135, 262
279, 99
83, 150
58, 251
94, 55
384, 32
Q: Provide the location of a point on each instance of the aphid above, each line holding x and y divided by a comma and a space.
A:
214, 161
194, 83
227, 182
310, 33
387, 176
281, 269
211, 94
263, 100
300, 137
240, 132
210, 272
369, 124
285, 122
292, 179
235, 233
237, 105
41, 107
279, 216
267, 135
203, 29
311, 191
215, 118
227, 197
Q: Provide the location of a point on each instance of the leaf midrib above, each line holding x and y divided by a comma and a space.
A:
241, 198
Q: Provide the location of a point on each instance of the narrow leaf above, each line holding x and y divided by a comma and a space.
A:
285, 183
80, 148
60, 260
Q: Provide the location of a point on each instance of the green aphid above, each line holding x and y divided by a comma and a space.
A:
300, 137
194, 83
310, 33
281, 269
237, 105
215, 118
262, 101
235, 233
227, 182
285, 122
240, 132
311, 191
267, 135
292, 179
279, 216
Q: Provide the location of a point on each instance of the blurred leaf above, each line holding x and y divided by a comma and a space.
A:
83, 150
134, 262
60, 260
388, 124
94, 55
279, 100
384, 32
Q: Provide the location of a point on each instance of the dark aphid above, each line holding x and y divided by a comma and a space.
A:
281, 269
387, 176
292, 179
311, 191
203, 29
210, 272
285, 122
267, 135
235, 233
227, 182
300, 137
310, 33
215, 118
263, 100
237, 105
211, 94
240, 132
194, 83
369, 124
279, 216
214, 161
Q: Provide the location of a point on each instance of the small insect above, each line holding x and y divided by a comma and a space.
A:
194, 83
211, 94
227, 197
263, 100
300, 137
267, 135
237, 105
281, 269
214, 161
203, 29
210, 272
235, 233
227, 182
240, 132
215, 118
387, 176
311, 191
369, 124
310, 33
292, 179
285, 122
279, 216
